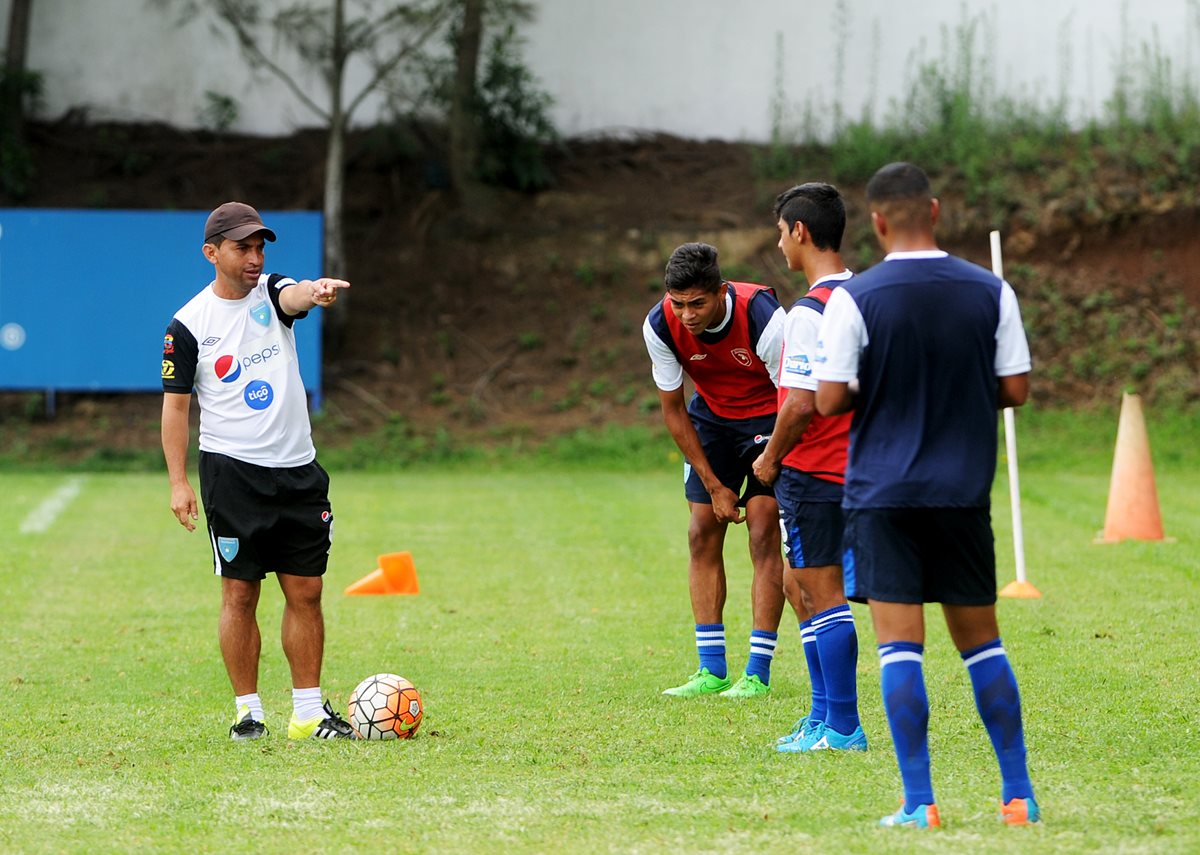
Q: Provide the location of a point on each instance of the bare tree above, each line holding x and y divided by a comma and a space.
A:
15, 87
382, 33
464, 136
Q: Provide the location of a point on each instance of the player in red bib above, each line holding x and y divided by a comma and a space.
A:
726, 336
806, 461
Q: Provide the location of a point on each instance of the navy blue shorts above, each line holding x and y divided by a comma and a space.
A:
263, 520
731, 446
921, 555
810, 515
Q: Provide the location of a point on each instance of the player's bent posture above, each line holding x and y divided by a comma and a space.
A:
937, 345
265, 497
726, 336
806, 461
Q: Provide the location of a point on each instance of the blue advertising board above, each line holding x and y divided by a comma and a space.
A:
85, 296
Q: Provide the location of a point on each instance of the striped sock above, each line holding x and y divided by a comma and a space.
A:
710, 644
808, 640
999, 705
837, 647
907, 707
762, 651
252, 702
306, 703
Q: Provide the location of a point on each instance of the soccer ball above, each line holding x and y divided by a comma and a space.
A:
385, 706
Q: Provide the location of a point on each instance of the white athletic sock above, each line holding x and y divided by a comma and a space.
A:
306, 703
253, 702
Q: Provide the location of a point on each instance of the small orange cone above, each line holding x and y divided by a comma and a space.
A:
1132, 497
396, 575
1020, 589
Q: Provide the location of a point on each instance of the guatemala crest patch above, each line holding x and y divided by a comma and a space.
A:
228, 547
261, 313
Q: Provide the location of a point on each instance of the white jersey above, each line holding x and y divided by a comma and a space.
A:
240, 357
800, 335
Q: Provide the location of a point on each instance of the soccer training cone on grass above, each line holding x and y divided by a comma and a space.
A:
1132, 497
396, 575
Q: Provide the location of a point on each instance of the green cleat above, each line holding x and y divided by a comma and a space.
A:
703, 682
749, 686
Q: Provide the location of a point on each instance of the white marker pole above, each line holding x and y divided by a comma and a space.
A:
1021, 587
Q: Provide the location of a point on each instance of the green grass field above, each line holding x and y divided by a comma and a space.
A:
553, 610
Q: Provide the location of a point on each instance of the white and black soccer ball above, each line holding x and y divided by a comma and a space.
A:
385, 706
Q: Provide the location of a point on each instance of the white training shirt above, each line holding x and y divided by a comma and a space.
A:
240, 357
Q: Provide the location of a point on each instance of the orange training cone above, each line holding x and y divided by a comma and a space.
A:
1132, 497
396, 575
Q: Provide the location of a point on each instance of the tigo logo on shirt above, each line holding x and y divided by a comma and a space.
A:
228, 368
259, 395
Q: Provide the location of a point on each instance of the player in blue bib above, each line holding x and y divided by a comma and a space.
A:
936, 345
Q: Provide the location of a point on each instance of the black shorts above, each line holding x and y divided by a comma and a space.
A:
921, 555
263, 520
810, 516
731, 446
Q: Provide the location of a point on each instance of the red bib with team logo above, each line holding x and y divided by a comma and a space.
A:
725, 367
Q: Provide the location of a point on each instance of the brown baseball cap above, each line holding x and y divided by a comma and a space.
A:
235, 220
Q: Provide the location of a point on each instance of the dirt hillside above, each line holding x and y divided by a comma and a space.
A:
521, 318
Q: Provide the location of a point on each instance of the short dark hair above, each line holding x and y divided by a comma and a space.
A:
902, 192
693, 265
820, 207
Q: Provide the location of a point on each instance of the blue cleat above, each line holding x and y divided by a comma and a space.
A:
797, 730
831, 740
922, 816
803, 743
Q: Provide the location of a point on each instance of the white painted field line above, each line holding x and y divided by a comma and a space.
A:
43, 516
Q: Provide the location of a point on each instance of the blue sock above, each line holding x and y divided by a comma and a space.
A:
710, 644
907, 708
808, 639
999, 705
837, 647
762, 651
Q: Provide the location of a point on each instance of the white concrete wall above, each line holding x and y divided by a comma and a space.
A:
697, 68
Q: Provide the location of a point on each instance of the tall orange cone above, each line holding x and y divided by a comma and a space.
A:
396, 575
1132, 497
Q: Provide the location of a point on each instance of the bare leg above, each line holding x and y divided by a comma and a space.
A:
706, 565
241, 643
971, 626
898, 622
303, 628
766, 591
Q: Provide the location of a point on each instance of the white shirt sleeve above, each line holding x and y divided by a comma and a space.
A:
770, 344
664, 367
1012, 347
799, 348
841, 339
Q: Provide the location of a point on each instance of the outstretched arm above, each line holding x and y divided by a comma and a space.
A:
310, 293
